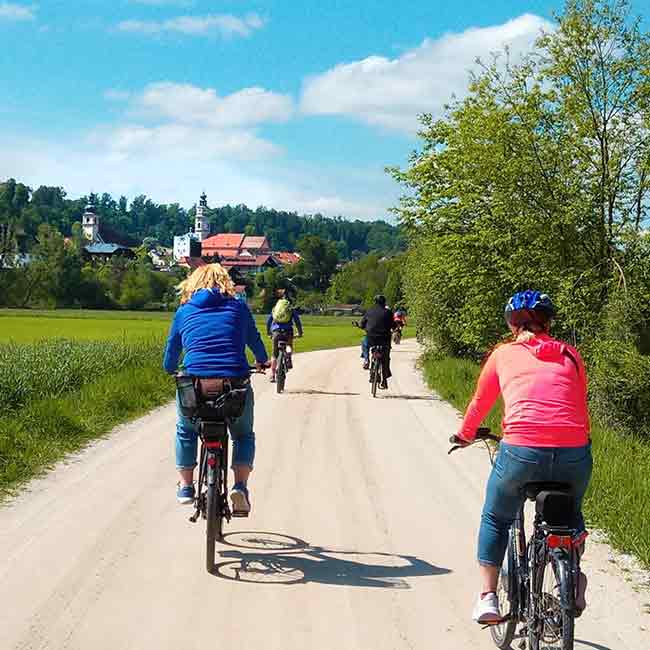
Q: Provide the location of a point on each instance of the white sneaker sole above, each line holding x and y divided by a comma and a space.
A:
239, 502
184, 500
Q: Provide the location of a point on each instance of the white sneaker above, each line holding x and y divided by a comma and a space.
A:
486, 611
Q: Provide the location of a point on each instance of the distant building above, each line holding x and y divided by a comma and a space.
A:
247, 254
285, 258
189, 244
104, 242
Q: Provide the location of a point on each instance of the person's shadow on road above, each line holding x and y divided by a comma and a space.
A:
260, 557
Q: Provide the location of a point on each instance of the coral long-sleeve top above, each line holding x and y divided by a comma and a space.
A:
544, 387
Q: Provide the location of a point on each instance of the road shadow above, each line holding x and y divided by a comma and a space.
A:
589, 644
269, 558
308, 391
424, 398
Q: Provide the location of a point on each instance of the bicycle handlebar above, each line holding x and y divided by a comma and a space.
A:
482, 434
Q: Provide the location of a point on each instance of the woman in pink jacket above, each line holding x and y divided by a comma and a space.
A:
545, 431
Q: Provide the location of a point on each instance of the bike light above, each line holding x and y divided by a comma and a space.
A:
212, 462
559, 541
289, 350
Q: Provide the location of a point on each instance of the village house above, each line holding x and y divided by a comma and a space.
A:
104, 242
237, 252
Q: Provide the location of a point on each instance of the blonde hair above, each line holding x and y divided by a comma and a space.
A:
529, 332
210, 276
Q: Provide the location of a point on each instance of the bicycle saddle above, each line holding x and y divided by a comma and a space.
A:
534, 488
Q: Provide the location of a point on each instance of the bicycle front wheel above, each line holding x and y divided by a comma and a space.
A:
507, 593
281, 374
555, 606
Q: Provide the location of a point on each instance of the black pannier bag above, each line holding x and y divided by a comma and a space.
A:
186, 395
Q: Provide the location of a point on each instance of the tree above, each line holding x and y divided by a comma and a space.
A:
538, 178
319, 260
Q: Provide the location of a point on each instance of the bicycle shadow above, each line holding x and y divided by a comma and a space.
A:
589, 644
263, 560
309, 391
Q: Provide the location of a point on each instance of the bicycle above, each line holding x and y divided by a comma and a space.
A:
538, 580
397, 335
375, 354
212, 404
284, 362
376, 368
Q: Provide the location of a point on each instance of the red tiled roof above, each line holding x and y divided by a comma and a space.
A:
191, 262
224, 240
287, 258
255, 243
245, 262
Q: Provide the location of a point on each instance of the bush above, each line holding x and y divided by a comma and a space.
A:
620, 385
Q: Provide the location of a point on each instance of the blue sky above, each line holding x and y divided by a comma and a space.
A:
295, 105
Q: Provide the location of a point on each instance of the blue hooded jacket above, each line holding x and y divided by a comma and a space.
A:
214, 331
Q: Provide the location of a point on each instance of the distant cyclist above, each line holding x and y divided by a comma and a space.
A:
379, 324
545, 432
279, 326
213, 329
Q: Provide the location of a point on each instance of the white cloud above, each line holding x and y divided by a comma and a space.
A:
223, 24
179, 174
12, 11
186, 142
391, 92
190, 104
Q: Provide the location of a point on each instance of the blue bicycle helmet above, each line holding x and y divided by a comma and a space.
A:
529, 301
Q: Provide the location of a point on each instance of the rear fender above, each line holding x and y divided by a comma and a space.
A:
562, 568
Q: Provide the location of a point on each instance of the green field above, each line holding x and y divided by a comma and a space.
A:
21, 326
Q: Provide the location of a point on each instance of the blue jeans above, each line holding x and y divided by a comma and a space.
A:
514, 467
241, 432
365, 350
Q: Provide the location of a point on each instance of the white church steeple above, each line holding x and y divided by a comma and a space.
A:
90, 224
201, 225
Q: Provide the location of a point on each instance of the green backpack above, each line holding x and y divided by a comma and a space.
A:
282, 311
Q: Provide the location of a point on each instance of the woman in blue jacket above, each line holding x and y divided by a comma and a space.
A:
212, 328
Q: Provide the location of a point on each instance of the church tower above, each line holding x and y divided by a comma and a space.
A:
90, 224
201, 225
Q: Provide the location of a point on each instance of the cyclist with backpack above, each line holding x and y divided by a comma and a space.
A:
279, 326
545, 432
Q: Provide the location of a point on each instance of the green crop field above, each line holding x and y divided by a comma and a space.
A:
21, 326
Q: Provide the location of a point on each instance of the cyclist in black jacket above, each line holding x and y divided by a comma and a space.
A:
379, 324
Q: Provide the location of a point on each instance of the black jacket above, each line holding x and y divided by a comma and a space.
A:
378, 323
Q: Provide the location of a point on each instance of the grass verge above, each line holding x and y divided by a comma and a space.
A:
618, 497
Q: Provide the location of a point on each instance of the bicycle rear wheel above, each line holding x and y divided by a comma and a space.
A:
555, 606
375, 372
214, 510
507, 593
281, 375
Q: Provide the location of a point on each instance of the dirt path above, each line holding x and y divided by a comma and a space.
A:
362, 535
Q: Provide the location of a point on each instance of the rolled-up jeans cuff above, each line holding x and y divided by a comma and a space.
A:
487, 562
186, 467
240, 464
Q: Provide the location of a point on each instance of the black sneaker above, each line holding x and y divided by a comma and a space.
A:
383, 385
